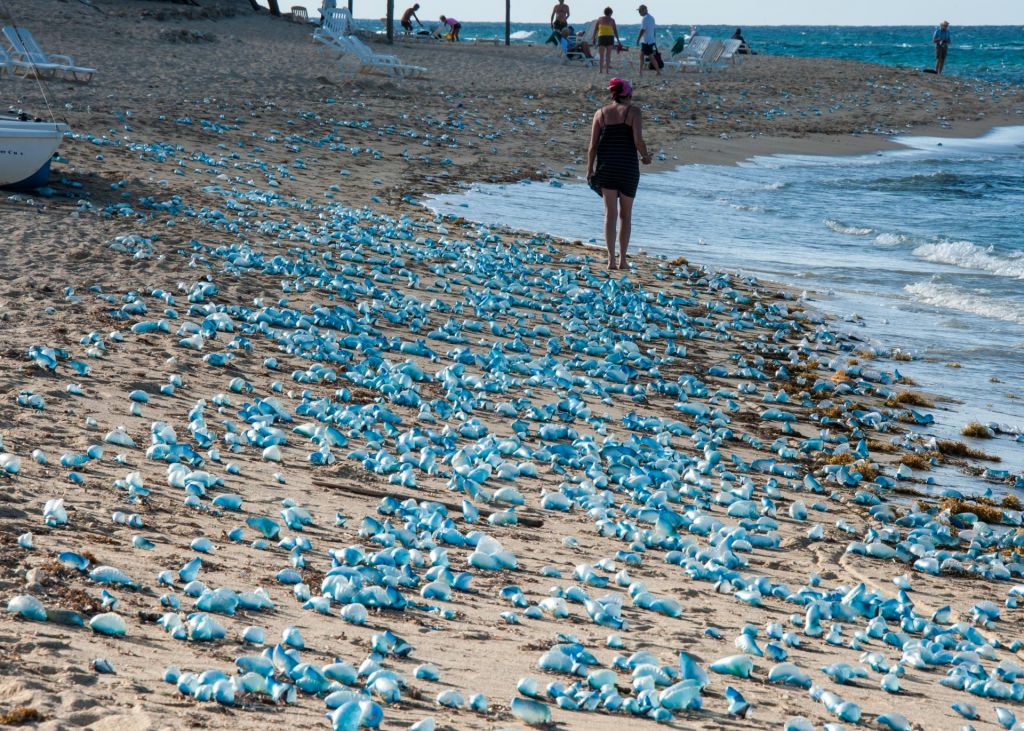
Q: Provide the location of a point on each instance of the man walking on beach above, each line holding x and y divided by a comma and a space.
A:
646, 39
941, 39
560, 16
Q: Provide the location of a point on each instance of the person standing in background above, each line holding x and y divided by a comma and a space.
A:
606, 36
560, 16
408, 16
941, 39
646, 39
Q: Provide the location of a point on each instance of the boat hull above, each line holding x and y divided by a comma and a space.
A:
26, 148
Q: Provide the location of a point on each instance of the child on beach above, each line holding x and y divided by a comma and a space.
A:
616, 136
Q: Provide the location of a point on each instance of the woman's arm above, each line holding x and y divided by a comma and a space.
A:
595, 133
638, 138
615, 28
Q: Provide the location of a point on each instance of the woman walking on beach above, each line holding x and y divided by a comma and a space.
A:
606, 35
616, 136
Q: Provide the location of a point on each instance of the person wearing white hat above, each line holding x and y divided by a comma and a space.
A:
646, 39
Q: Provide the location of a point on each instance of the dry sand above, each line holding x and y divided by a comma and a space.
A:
242, 107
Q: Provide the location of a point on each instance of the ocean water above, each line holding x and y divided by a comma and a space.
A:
992, 53
920, 248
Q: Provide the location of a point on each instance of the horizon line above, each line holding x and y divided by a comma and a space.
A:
770, 25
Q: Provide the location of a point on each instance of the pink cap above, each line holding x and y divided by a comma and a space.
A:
620, 87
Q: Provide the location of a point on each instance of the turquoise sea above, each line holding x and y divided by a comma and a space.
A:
993, 53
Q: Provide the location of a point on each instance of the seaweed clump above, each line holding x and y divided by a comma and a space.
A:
20, 715
917, 461
909, 398
950, 448
977, 430
982, 507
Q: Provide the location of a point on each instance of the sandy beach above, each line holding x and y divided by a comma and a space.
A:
232, 250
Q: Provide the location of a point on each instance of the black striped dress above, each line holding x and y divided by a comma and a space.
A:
617, 166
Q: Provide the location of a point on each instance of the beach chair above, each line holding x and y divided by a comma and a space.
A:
26, 49
711, 59
690, 55
420, 34
20, 56
588, 34
389, 64
555, 52
558, 56
566, 57
730, 52
299, 14
337, 24
9, 65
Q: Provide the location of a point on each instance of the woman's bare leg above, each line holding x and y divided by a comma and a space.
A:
625, 227
611, 204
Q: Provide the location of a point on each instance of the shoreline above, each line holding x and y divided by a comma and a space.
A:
717, 151
413, 459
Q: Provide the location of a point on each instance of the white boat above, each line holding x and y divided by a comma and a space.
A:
26, 147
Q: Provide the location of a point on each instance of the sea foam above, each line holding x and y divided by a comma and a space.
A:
890, 239
841, 228
951, 297
966, 255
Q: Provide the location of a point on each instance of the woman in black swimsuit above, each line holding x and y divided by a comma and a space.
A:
616, 137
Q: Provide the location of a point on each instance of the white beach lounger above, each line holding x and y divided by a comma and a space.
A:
370, 61
588, 33
336, 25
555, 52
570, 57
12, 66
299, 14
420, 35
730, 51
558, 56
20, 56
26, 49
712, 56
690, 56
